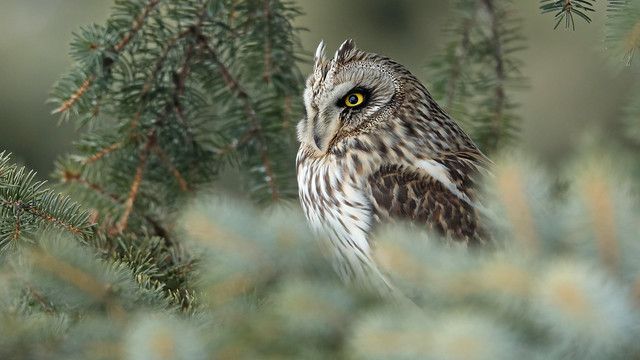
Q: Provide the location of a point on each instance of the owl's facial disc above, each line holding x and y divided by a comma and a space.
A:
345, 97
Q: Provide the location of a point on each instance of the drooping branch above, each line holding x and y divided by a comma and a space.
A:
236, 89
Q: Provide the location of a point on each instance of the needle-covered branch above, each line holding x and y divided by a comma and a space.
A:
27, 207
478, 70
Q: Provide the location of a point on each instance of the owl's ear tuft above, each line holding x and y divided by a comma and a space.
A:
344, 50
319, 56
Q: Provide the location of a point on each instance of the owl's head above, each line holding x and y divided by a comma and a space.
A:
353, 93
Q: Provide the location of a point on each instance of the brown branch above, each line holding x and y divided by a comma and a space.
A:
138, 22
69, 176
184, 186
236, 89
46, 306
50, 218
500, 95
266, 76
460, 55
182, 75
102, 153
47, 217
18, 229
67, 104
121, 225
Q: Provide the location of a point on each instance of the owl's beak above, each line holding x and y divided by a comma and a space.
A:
323, 134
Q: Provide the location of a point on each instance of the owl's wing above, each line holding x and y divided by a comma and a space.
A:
437, 193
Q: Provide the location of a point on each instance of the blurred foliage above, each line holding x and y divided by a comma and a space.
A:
563, 283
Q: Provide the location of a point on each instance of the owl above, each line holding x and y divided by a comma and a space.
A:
375, 147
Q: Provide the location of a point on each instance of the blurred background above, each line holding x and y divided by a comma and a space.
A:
572, 91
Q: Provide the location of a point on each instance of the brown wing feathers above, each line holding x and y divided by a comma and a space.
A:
405, 194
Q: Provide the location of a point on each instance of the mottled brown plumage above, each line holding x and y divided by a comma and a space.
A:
375, 147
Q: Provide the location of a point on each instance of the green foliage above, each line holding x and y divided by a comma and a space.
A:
474, 75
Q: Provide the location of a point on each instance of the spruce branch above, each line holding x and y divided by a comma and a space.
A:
163, 117
256, 130
27, 207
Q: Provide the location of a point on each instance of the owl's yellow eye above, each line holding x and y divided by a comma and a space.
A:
354, 99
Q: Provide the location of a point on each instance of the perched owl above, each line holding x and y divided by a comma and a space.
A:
374, 147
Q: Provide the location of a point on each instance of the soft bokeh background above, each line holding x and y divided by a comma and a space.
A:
573, 90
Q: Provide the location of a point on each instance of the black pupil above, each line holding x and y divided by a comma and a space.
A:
353, 99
